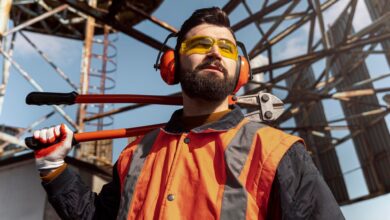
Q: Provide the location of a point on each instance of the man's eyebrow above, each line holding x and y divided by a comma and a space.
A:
233, 41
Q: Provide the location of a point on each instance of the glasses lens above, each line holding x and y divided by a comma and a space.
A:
227, 48
200, 43
203, 45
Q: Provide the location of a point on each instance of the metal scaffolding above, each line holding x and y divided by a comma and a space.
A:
344, 77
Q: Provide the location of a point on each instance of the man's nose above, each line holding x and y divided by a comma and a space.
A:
214, 52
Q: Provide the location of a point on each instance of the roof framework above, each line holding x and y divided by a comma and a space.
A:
275, 21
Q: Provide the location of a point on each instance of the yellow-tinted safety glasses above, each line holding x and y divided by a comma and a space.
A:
203, 45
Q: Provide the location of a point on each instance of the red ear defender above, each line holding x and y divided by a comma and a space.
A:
167, 67
243, 71
167, 63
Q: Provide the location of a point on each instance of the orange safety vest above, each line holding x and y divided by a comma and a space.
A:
207, 174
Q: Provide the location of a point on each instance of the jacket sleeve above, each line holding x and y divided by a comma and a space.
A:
72, 199
302, 191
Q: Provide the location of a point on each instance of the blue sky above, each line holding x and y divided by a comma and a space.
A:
135, 75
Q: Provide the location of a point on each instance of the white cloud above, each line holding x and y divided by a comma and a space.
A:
294, 47
56, 48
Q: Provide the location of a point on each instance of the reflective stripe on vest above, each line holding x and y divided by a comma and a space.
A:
234, 200
136, 165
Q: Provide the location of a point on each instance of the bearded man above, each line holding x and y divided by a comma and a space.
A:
208, 162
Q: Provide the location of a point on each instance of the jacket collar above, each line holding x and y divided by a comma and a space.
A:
230, 120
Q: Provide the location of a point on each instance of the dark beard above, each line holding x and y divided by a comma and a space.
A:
207, 86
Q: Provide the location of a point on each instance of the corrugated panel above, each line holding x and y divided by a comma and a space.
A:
373, 145
377, 8
327, 162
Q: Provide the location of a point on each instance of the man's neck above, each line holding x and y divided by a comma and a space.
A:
195, 107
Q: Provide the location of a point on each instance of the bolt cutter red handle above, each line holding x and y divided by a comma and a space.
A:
52, 98
99, 135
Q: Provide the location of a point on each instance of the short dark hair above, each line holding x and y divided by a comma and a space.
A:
213, 15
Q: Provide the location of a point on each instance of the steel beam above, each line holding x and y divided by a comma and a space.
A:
290, 29
36, 19
5, 8
230, 6
30, 127
317, 7
276, 24
86, 64
259, 15
359, 131
11, 139
65, 23
102, 17
35, 84
312, 57
288, 112
56, 68
153, 19
6, 71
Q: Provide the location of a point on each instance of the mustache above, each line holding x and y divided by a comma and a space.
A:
210, 62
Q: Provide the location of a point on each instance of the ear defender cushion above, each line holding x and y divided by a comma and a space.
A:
167, 67
243, 73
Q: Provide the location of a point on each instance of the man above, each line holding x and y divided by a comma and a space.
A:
209, 162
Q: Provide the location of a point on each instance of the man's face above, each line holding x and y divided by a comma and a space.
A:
209, 76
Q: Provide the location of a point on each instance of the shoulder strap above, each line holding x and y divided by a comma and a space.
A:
137, 162
234, 200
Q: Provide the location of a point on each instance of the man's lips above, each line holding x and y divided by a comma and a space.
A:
213, 68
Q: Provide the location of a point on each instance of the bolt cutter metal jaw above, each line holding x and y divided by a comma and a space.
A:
269, 106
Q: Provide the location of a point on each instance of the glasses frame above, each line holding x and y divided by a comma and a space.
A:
185, 50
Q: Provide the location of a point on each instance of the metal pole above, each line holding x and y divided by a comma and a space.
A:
38, 88
153, 19
314, 56
37, 19
85, 65
29, 128
259, 15
103, 74
231, 5
84, 80
286, 32
115, 24
5, 8
50, 62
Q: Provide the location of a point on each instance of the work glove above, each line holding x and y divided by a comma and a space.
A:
57, 141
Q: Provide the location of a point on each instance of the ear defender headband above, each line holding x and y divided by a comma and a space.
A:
168, 73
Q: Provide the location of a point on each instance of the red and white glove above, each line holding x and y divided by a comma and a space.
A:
52, 156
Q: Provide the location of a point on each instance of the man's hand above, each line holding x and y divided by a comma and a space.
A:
58, 140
